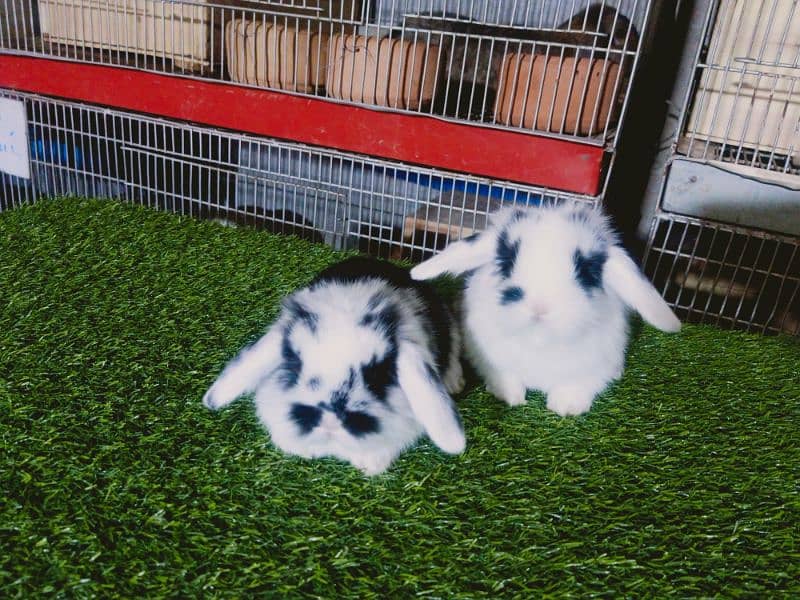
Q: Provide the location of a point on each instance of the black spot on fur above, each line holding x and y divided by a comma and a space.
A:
361, 268
506, 255
386, 320
511, 295
375, 301
589, 269
435, 316
313, 383
471, 239
292, 365
302, 314
359, 424
439, 326
341, 395
305, 417
381, 374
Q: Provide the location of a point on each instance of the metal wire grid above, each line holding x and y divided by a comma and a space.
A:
746, 104
731, 277
562, 68
737, 117
383, 208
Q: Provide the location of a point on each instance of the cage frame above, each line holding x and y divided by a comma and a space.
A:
545, 146
441, 206
657, 210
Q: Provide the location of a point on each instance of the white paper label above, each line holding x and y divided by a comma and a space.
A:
14, 138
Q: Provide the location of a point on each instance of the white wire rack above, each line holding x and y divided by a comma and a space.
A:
724, 246
349, 201
730, 276
560, 68
746, 105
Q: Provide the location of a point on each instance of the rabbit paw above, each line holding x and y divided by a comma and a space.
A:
510, 392
454, 382
373, 465
570, 400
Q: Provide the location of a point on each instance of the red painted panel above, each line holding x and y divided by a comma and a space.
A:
558, 164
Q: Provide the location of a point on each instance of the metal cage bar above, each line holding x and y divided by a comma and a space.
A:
558, 68
744, 109
730, 276
349, 201
724, 244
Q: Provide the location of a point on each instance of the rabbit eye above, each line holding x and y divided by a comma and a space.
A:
511, 295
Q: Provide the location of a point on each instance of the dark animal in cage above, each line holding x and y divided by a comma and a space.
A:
616, 32
473, 53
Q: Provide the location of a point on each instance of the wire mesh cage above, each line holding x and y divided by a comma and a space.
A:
732, 277
724, 244
746, 108
560, 68
349, 201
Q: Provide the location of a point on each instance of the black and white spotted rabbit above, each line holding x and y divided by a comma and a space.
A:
359, 364
546, 303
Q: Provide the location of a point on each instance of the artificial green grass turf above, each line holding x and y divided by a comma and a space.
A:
682, 480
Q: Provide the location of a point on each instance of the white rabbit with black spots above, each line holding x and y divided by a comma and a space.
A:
358, 366
546, 303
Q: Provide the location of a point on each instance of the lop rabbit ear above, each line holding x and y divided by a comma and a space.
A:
431, 404
458, 257
623, 276
243, 373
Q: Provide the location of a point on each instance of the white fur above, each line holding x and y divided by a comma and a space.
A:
557, 339
341, 343
430, 403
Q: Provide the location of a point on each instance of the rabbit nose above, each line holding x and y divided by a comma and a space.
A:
539, 310
329, 423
